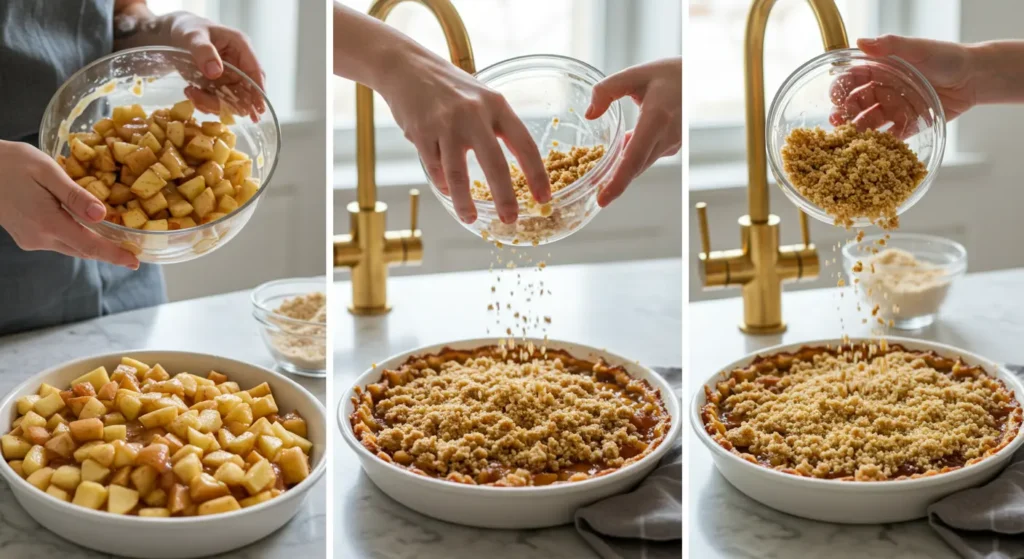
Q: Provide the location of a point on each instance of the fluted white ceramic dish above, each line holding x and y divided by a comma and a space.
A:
167, 538
505, 507
853, 502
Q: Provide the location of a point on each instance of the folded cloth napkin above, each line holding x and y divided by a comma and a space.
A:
647, 522
986, 522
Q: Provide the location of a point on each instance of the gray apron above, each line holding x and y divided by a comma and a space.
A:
41, 44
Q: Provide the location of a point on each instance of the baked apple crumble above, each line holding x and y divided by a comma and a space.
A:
510, 418
861, 412
141, 442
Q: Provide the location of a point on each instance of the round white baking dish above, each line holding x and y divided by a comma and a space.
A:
853, 502
165, 538
505, 507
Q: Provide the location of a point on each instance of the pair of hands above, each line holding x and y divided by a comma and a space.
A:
35, 187
872, 99
445, 113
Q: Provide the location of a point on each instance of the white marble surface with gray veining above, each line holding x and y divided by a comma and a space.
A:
630, 308
221, 325
983, 314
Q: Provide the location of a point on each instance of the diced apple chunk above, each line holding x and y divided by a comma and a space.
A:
14, 448
205, 487
83, 430
192, 188
204, 203
182, 110
58, 493
96, 377
67, 477
40, 478
260, 476
159, 417
121, 500
219, 505
90, 495
188, 468
94, 471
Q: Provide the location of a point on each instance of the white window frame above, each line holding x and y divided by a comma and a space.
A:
630, 32
725, 143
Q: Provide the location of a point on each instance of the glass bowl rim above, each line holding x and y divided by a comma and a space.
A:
563, 196
955, 268
260, 309
227, 66
849, 54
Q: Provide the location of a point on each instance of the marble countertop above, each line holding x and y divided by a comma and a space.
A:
221, 325
630, 308
984, 314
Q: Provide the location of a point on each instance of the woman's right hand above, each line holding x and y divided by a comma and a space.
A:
871, 99
31, 195
446, 112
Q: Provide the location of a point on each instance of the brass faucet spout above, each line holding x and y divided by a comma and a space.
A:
762, 265
369, 248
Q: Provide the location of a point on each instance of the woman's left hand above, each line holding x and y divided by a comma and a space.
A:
658, 88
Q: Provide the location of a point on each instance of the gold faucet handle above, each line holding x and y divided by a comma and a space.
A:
805, 229
705, 235
414, 209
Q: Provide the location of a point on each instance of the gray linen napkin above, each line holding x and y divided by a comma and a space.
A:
986, 522
648, 521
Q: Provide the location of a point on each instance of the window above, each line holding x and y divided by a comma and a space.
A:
715, 94
273, 28
198, 7
599, 32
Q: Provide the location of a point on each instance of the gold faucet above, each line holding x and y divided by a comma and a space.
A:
369, 248
761, 265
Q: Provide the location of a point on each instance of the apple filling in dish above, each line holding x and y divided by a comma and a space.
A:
521, 417
861, 412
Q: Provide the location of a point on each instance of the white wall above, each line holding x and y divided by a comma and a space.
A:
976, 198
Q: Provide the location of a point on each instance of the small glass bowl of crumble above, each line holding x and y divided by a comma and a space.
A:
903, 279
518, 435
550, 94
853, 175
292, 314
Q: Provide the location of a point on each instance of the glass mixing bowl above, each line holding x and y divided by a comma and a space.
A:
298, 346
804, 101
157, 78
910, 296
550, 94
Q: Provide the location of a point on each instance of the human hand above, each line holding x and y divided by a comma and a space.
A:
31, 195
658, 88
211, 45
871, 98
446, 112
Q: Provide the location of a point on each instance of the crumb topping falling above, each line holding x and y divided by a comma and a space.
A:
851, 174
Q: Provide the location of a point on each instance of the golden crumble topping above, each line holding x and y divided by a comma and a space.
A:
509, 418
563, 170
852, 174
861, 413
